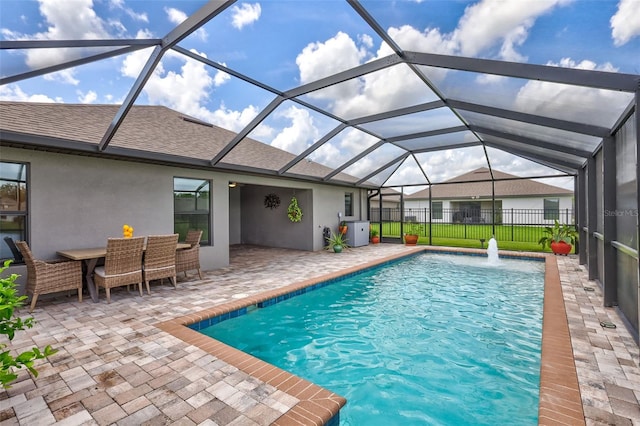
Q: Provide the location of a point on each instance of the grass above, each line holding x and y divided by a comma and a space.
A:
515, 238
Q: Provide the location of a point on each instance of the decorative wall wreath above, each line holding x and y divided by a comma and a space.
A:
293, 211
271, 201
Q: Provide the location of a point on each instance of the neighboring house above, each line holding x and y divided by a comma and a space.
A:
516, 200
157, 176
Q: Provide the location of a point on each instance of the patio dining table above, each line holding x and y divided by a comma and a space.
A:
90, 257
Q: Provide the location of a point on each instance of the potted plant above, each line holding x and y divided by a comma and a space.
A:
412, 234
373, 235
337, 242
342, 228
560, 238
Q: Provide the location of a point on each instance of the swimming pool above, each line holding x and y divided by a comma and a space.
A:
467, 350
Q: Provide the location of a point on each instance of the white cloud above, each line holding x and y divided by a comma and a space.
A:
177, 17
551, 99
625, 24
66, 76
245, 14
119, 4
185, 90
88, 97
490, 22
65, 21
299, 134
72, 20
13, 92
237, 120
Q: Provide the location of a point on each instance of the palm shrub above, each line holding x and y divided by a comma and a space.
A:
9, 324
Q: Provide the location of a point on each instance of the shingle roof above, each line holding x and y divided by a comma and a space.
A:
503, 188
154, 129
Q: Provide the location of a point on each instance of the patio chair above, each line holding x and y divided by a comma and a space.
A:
122, 265
189, 259
44, 277
160, 259
17, 256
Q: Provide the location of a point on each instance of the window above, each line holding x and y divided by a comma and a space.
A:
436, 210
13, 205
192, 207
551, 208
348, 203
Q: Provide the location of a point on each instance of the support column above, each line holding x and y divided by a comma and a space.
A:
581, 210
592, 219
430, 218
610, 263
637, 114
493, 208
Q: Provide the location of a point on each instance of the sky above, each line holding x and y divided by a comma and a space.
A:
284, 44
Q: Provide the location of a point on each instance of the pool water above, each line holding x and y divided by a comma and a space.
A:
430, 340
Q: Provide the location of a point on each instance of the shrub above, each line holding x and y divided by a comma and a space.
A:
9, 324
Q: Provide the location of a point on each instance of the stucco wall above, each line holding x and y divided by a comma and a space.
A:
271, 227
78, 202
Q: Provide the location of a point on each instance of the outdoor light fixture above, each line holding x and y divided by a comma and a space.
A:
232, 184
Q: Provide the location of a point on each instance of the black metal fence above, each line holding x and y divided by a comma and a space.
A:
522, 225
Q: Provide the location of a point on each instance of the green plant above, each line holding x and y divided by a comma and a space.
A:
337, 242
412, 228
559, 232
9, 324
293, 211
373, 232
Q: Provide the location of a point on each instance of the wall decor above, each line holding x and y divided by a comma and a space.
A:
271, 201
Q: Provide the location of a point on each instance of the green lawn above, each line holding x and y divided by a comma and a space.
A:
516, 238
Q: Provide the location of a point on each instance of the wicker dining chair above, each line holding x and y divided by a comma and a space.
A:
160, 259
122, 264
44, 277
189, 259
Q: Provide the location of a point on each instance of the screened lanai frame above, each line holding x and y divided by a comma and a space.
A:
562, 142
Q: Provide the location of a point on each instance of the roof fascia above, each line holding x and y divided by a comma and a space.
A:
571, 76
65, 146
586, 129
535, 142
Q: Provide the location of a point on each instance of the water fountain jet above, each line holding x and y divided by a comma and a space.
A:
492, 252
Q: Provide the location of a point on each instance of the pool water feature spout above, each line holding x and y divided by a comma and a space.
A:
492, 252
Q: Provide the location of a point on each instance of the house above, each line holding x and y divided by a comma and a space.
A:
61, 191
467, 199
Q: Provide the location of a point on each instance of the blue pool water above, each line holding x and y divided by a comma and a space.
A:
431, 340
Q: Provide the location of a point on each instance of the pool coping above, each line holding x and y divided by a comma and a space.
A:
559, 401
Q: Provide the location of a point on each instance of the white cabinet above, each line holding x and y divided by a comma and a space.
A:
357, 233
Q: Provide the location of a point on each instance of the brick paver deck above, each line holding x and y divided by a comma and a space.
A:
115, 365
